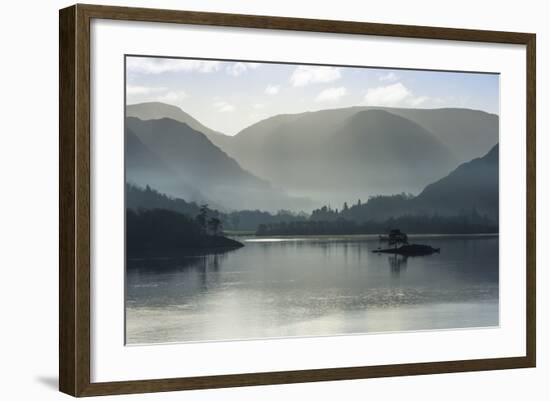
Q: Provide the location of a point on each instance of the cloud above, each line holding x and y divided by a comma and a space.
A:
258, 106
224, 107
135, 90
388, 77
153, 65
331, 94
305, 75
272, 89
236, 69
139, 94
417, 101
172, 97
393, 95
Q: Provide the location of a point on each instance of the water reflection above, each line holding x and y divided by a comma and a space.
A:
155, 265
178, 277
397, 263
311, 286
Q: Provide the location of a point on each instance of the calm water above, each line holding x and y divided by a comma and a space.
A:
310, 287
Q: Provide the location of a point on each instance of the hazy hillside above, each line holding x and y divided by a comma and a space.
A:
340, 154
382, 150
466, 201
141, 163
467, 133
147, 198
158, 110
471, 187
336, 155
198, 163
144, 167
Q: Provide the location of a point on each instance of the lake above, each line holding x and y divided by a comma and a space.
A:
313, 286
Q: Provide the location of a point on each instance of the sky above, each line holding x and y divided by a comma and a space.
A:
228, 96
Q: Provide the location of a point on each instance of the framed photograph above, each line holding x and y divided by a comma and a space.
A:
250, 200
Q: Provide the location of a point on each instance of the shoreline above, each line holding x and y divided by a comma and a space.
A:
219, 245
365, 236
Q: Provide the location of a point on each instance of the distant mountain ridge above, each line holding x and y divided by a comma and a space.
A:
337, 154
472, 188
472, 185
158, 110
187, 163
144, 167
467, 133
189, 151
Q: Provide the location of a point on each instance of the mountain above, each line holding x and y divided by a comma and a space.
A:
472, 185
467, 133
144, 167
341, 154
158, 110
385, 148
141, 163
471, 189
336, 155
186, 158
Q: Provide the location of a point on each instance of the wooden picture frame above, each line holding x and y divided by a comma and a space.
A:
74, 199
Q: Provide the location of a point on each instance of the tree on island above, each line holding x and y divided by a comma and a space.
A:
202, 217
209, 226
215, 225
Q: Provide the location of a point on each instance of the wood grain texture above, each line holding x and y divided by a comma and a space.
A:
67, 272
301, 376
300, 24
74, 199
531, 178
74, 206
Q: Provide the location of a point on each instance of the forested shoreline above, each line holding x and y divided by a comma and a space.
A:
461, 224
159, 223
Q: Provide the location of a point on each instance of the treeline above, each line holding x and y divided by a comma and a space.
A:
383, 207
244, 220
161, 232
377, 208
250, 220
461, 224
148, 198
376, 215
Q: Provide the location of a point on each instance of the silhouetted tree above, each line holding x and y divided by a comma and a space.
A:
214, 224
202, 217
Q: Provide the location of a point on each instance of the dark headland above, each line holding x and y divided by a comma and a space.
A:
164, 233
